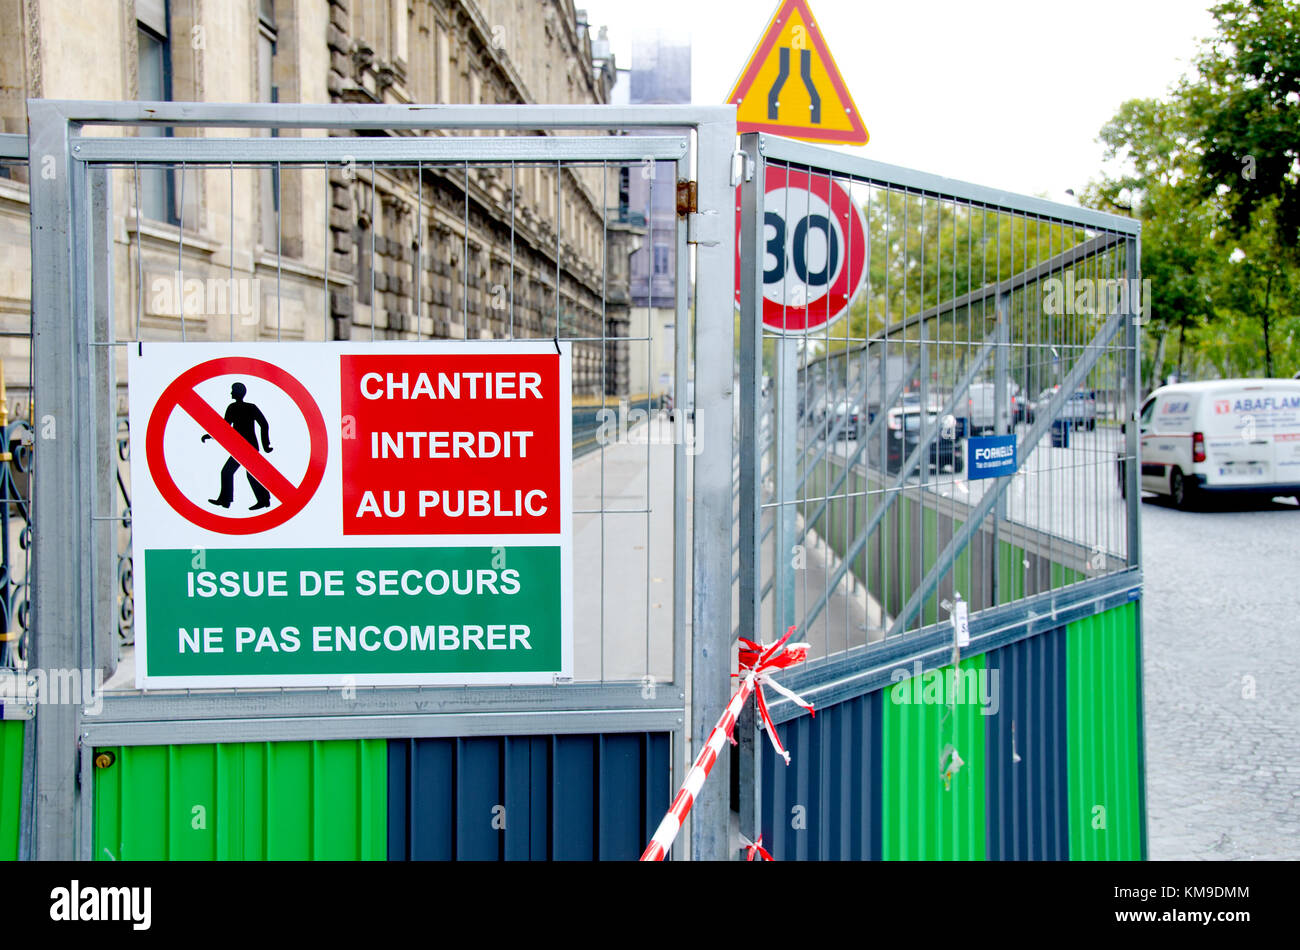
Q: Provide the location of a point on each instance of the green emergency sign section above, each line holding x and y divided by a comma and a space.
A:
1049, 729
11, 786
290, 611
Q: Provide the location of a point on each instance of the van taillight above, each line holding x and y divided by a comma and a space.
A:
1198, 447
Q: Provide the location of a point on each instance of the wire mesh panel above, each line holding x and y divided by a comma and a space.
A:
398, 227
446, 250
940, 377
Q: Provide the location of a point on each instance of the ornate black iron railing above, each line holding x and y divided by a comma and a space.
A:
16, 455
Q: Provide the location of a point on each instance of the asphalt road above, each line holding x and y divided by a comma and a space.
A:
1221, 644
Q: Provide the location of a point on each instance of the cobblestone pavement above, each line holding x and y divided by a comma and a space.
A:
1221, 627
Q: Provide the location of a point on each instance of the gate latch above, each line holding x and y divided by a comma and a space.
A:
742, 168
687, 198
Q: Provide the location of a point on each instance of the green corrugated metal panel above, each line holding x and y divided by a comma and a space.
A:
11, 786
244, 801
1011, 572
962, 576
930, 549
1063, 576
921, 819
1104, 731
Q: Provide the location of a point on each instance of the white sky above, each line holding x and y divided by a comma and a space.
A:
1006, 93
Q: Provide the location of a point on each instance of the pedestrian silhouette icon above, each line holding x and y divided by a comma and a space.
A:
246, 419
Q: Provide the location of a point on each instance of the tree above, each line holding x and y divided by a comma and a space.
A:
1211, 171
1258, 286
1246, 105
1152, 141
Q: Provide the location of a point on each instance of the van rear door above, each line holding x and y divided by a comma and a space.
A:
1286, 435
1252, 435
1275, 409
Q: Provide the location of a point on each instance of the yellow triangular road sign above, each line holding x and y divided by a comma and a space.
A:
791, 85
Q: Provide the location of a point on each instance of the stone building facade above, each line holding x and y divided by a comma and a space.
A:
352, 251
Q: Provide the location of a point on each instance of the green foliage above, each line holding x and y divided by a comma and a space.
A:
1213, 172
1247, 104
923, 251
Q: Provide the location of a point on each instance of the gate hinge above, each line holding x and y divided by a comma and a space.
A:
703, 229
687, 198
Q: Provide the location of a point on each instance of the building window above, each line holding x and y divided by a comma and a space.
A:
663, 261
157, 185
365, 261
267, 36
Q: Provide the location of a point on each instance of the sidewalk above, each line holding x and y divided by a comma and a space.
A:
623, 559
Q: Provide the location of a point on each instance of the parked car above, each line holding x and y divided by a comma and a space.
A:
1080, 409
904, 434
847, 417
1226, 435
981, 407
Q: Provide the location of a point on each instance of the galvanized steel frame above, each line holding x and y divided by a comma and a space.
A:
72, 385
862, 671
867, 170
13, 145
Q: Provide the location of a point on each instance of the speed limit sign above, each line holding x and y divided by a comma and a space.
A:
814, 253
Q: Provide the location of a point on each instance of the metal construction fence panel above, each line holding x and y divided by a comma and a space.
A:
937, 385
478, 798
1049, 738
954, 440
377, 223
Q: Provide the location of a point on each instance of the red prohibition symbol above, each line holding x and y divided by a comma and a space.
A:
181, 395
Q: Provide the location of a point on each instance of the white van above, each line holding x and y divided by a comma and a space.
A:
981, 411
1224, 435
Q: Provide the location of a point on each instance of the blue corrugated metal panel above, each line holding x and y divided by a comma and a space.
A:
623, 780
573, 798
825, 805
542, 798
480, 799
1026, 746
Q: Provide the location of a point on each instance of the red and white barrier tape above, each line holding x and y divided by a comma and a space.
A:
754, 850
755, 663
